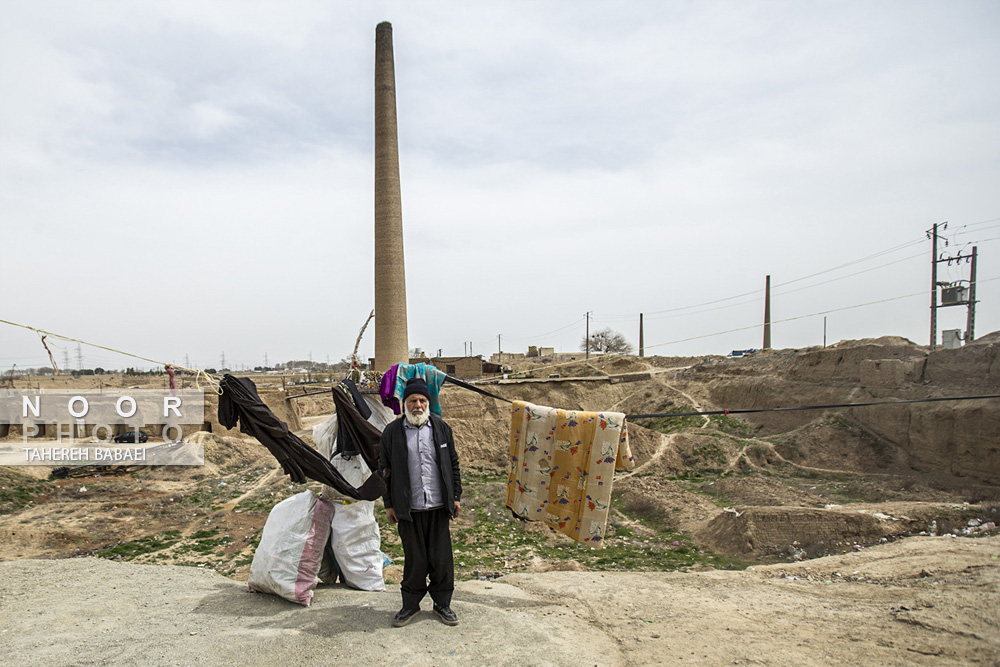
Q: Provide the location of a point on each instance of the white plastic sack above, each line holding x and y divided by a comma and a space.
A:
286, 562
354, 533
324, 435
381, 415
356, 543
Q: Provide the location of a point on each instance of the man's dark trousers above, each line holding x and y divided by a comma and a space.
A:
427, 551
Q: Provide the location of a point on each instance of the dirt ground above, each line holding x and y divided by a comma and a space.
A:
835, 536
920, 601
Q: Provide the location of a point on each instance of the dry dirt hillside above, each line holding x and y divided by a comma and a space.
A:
709, 495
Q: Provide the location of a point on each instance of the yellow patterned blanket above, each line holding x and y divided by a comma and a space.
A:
561, 467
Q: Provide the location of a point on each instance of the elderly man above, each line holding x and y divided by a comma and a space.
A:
418, 461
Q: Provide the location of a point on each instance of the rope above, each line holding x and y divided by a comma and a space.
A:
812, 407
212, 382
470, 387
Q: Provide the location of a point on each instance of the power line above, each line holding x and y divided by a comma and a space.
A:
754, 326
756, 300
875, 255
850, 275
575, 323
857, 261
981, 222
802, 317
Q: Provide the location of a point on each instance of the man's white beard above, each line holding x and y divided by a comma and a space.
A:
416, 420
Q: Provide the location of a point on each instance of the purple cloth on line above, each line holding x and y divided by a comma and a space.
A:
387, 389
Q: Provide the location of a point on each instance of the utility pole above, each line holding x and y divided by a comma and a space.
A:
824, 331
465, 348
933, 235
499, 349
222, 361
970, 322
767, 313
79, 358
66, 360
265, 361
642, 346
953, 294
587, 344
187, 362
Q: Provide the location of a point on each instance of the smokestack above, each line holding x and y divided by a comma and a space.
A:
767, 314
391, 338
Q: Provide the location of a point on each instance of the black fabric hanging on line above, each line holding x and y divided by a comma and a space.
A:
240, 403
348, 385
355, 434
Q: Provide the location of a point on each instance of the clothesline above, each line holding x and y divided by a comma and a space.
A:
214, 383
754, 410
812, 407
735, 411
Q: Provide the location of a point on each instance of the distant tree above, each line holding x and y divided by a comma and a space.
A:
211, 371
606, 340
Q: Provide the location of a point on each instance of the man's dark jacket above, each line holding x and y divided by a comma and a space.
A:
393, 456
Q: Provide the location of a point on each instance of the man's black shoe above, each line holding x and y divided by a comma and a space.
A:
404, 616
447, 616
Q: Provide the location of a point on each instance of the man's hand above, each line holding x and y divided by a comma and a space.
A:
390, 514
458, 508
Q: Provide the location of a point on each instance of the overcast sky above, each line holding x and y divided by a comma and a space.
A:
191, 179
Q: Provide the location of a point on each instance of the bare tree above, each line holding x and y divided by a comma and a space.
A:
607, 340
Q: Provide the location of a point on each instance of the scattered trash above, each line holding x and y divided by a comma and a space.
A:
222, 483
978, 526
732, 510
83, 489
676, 544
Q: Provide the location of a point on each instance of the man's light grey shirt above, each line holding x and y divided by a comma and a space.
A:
421, 459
